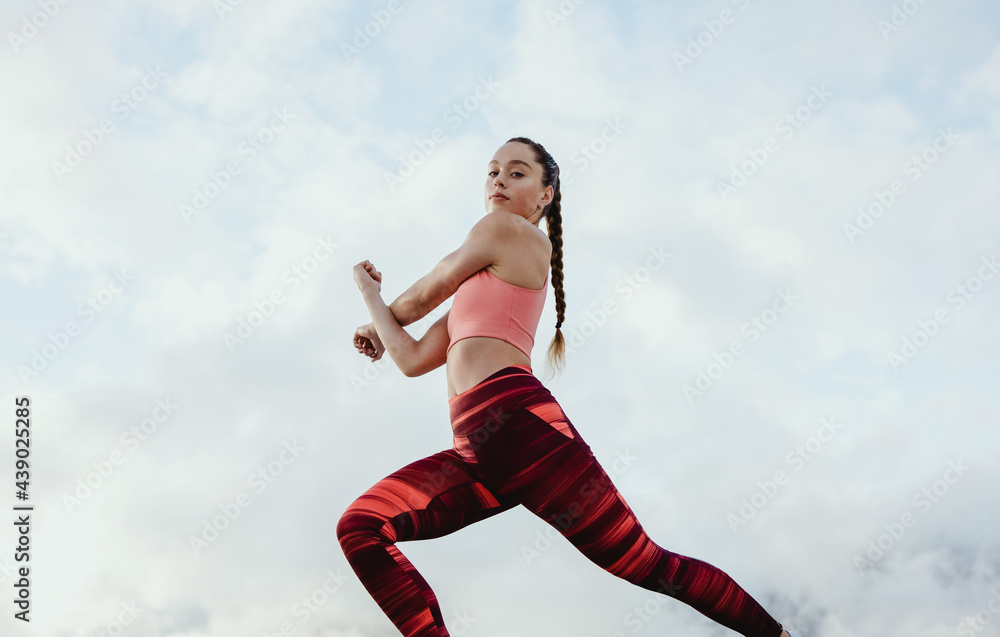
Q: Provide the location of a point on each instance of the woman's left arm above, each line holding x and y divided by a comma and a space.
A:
397, 341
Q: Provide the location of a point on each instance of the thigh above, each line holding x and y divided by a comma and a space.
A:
428, 498
558, 478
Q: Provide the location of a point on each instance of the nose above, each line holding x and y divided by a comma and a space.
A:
497, 181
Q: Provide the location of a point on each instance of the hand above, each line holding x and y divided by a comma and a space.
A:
366, 276
367, 342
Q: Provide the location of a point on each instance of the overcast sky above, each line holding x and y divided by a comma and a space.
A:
781, 275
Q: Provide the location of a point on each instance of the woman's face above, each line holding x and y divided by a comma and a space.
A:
514, 172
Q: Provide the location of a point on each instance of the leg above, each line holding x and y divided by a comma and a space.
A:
544, 464
428, 498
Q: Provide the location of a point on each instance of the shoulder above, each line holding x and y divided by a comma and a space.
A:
498, 222
504, 225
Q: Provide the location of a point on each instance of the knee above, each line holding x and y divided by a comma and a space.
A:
358, 527
353, 520
344, 525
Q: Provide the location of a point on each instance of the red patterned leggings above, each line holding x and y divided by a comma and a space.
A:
514, 445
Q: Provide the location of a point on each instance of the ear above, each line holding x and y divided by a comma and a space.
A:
547, 196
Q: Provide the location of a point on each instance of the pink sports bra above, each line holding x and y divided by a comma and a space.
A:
486, 305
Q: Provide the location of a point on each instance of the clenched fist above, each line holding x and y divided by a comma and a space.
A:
366, 276
367, 342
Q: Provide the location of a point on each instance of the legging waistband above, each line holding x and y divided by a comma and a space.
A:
512, 386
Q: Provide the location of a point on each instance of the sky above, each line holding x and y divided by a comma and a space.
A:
781, 277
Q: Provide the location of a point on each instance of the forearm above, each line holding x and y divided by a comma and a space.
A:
398, 343
409, 307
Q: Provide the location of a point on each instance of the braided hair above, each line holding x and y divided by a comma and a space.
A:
553, 222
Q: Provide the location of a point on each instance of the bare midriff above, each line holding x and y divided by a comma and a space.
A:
476, 358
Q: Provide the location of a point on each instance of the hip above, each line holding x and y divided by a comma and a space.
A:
497, 396
509, 423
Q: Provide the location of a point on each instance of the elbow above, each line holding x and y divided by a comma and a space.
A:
412, 372
417, 367
427, 361
405, 359
413, 368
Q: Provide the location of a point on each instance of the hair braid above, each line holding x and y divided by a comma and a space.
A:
553, 223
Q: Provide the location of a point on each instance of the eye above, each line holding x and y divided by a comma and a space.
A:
517, 173
491, 173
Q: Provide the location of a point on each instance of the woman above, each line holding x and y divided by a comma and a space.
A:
513, 444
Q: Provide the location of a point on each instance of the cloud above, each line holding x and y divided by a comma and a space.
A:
217, 186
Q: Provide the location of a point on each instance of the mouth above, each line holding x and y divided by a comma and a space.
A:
499, 197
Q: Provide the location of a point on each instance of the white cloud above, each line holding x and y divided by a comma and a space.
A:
653, 183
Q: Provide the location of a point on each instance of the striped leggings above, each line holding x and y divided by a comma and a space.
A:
514, 445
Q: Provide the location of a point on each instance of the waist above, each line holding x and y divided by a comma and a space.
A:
507, 388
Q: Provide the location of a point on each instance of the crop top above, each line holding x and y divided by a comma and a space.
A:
486, 305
